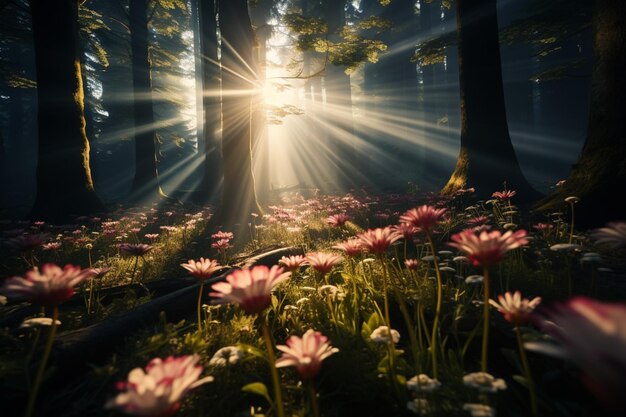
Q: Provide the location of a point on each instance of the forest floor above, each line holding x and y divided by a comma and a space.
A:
138, 303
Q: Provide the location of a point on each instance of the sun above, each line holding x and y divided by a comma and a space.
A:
273, 94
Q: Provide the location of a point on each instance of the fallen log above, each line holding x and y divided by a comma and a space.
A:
75, 349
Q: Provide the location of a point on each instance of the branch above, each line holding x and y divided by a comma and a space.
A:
299, 76
156, 6
124, 25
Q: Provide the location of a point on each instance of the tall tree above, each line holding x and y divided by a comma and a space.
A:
64, 183
239, 86
486, 159
260, 15
145, 184
210, 98
600, 172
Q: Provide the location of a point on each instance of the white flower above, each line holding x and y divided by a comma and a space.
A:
474, 279
591, 258
564, 247
228, 355
422, 383
484, 382
332, 291
418, 406
38, 321
479, 410
381, 335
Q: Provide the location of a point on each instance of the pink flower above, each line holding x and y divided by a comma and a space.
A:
406, 230
292, 262
478, 221
424, 217
593, 335
515, 309
53, 246
250, 288
134, 249
378, 240
306, 353
337, 220
322, 261
351, 247
159, 390
222, 235
543, 226
488, 248
100, 272
49, 287
613, 235
221, 244
202, 269
504, 195
411, 263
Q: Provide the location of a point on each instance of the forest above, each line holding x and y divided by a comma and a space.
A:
312, 208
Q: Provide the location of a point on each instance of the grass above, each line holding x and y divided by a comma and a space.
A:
358, 380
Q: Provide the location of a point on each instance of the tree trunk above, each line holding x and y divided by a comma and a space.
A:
600, 172
64, 184
239, 87
145, 184
213, 168
487, 160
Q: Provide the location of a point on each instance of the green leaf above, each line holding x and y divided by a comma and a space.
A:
521, 380
372, 323
257, 388
252, 350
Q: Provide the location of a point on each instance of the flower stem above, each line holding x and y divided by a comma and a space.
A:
278, 396
132, 274
42, 366
313, 399
486, 291
200, 307
410, 328
433, 338
528, 375
390, 344
387, 316
571, 230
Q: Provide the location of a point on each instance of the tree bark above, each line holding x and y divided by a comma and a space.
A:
259, 15
239, 87
487, 160
211, 84
600, 171
64, 184
145, 184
